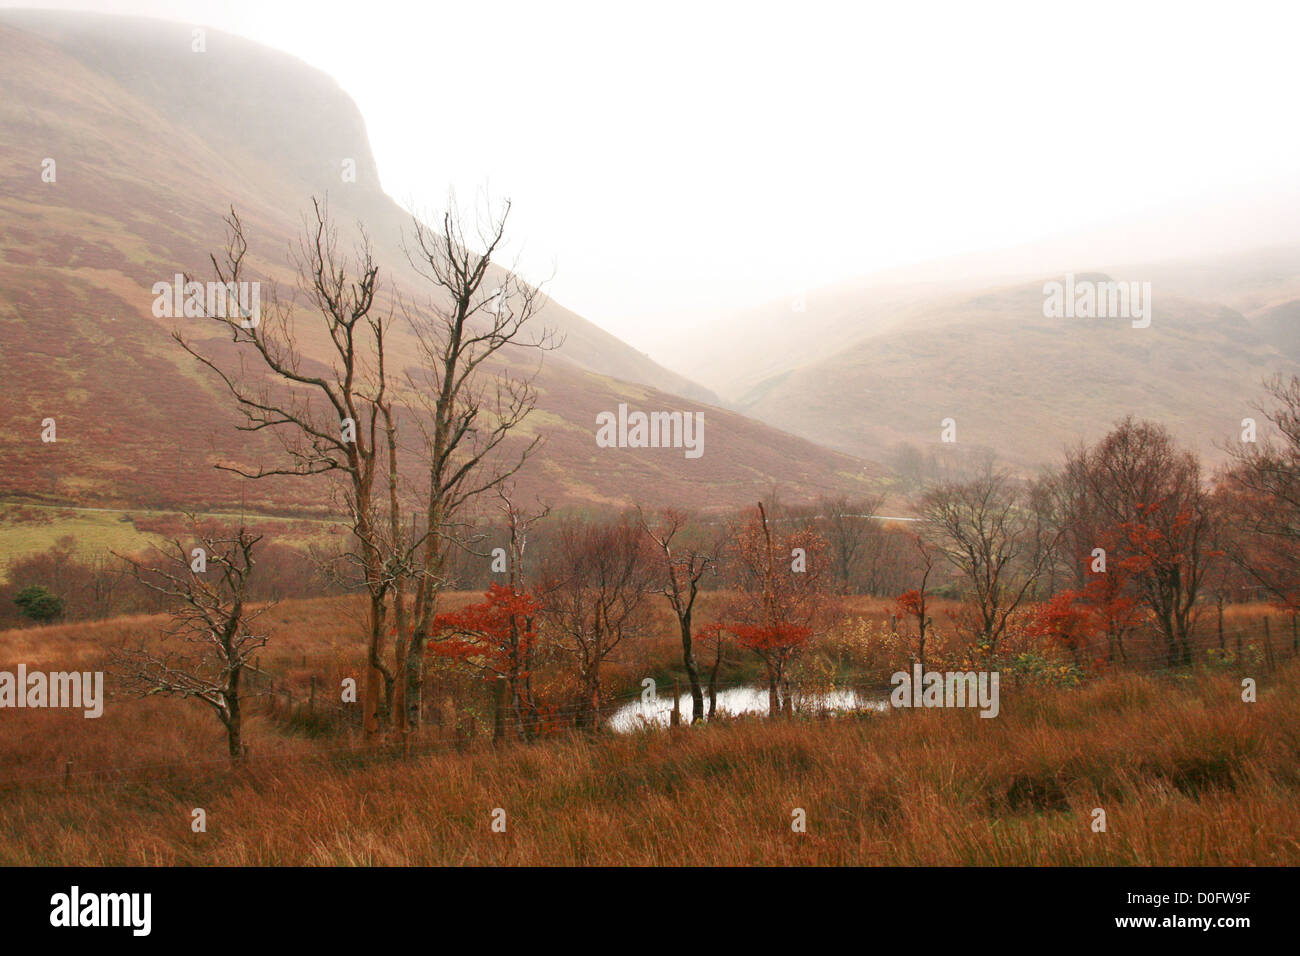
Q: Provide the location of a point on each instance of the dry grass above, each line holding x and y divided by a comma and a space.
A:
1187, 774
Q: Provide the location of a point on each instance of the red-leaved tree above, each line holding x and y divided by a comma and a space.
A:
495, 637
778, 583
915, 604
1064, 620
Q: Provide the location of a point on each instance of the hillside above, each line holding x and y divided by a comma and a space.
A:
143, 176
875, 363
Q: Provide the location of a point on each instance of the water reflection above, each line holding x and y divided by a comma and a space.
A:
734, 701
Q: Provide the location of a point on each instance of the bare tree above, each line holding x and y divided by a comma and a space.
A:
594, 586
680, 568
982, 529
852, 535
717, 635
333, 420
477, 312
1261, 498
1271, 467
1059, 502
211, 618
344, 416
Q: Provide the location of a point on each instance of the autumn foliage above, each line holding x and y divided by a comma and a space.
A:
492, 635
779, 594
497, 637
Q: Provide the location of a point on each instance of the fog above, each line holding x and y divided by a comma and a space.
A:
679, 162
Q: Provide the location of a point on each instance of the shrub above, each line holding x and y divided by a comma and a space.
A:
38, 604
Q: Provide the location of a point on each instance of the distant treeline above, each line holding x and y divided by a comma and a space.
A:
869, 556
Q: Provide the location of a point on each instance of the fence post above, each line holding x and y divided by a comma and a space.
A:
311, 699
675, 719
67, 773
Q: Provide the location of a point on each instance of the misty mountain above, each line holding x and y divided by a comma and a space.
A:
151, 143
875, 364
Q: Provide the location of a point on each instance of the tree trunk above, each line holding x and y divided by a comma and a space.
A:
692, 671
235, 738
413, 682
378, 687
234, 719
1171, 639
424, 606
590, 711
713, 678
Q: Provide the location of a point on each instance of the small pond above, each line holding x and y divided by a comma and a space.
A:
735, 701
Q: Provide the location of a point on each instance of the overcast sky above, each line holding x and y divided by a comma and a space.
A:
678, 160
